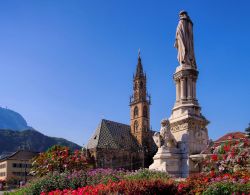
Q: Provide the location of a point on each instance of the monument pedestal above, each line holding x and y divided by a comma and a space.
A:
167, 160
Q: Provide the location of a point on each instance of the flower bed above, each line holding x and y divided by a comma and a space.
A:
226, 171
238, 183
78, 179
124, 187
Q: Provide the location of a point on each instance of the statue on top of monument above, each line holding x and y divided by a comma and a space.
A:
184, 41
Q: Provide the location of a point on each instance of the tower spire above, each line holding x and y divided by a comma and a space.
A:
140, 105
139, 68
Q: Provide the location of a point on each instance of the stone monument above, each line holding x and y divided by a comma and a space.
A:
186, 123
167, 158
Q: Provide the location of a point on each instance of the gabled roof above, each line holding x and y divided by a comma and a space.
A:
112, 135
231, 136
19, 155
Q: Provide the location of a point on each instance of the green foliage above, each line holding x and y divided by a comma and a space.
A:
146, 174
98, 176
227, 188
248, 130
52, 182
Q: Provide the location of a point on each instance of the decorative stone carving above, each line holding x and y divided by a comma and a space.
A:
167, 160
164, 137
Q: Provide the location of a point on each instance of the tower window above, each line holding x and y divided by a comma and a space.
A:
145, 111
136, 125
135, 112
141, 84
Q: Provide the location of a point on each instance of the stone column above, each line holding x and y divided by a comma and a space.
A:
189, 88
178, 90
182, 88
185, 88
194, 89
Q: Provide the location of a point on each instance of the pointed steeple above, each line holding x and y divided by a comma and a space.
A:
140, 107
139, 68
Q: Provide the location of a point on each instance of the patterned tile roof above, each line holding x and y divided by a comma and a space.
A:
113, 135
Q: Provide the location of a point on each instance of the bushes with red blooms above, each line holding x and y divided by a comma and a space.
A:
199, 184
59, 159
137, 187
228, 157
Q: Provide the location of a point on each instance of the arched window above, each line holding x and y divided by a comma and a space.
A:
145, 111
135, 112
136, 125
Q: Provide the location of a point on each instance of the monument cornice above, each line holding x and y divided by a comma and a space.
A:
191, 73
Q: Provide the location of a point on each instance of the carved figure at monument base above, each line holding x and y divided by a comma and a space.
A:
164, 137
167, 157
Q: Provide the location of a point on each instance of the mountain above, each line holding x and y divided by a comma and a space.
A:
15, 134
10, 119
11, 141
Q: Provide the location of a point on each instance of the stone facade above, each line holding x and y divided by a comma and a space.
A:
116, 145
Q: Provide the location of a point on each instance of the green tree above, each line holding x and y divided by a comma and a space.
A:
248, 130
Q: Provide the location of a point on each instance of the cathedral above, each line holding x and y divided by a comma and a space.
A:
117, 145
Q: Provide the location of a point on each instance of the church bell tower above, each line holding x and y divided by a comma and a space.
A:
139, 106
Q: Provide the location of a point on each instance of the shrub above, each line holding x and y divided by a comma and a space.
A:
227, 188
97, 176
59, 159
199, 183
137, 187
146, 174
56, 181
229, 157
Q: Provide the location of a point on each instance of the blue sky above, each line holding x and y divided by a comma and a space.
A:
65, 65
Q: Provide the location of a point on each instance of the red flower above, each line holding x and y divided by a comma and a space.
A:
226, 148
214, 157
212, 173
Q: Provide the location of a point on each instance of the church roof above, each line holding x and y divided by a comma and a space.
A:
112, 135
